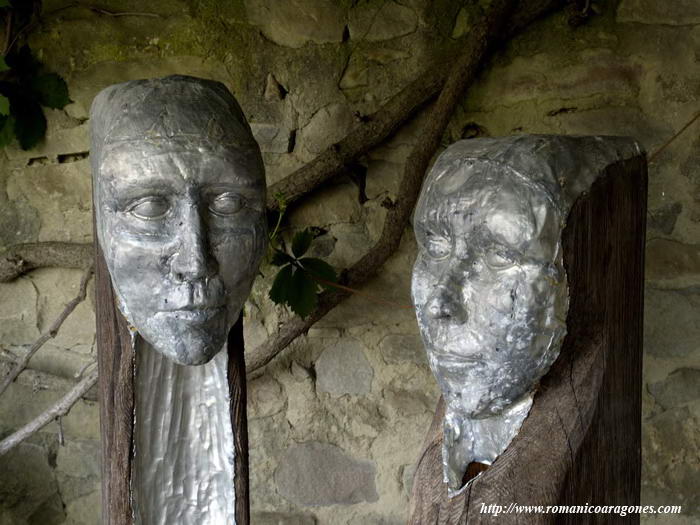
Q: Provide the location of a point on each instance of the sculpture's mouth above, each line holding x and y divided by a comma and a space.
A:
447, 357
197, 314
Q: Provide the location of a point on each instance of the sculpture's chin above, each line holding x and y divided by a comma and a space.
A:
482, 392
185, 342
192, 353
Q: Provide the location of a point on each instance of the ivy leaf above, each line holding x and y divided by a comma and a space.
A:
301, 242
7, 130
319, 269
4, 105
30, 123
51, 90
3, 64
280, 258
302, 297
279, 293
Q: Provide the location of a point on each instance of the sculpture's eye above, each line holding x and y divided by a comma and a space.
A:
498, 260
437, 247
226, 204
149, 208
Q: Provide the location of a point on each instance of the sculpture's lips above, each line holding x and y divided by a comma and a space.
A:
193, 313
447, 357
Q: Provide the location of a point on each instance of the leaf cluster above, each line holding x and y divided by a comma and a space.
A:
25, 87
300, 278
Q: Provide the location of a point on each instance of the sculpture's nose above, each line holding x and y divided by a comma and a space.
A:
191, 260
445, 303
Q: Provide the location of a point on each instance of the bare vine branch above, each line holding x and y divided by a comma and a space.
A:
58, 410
22, 258
484, 35
376, 128
332, 162
50, 334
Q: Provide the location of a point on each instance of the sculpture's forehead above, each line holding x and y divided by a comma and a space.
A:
505, 209
172, 166
448, 197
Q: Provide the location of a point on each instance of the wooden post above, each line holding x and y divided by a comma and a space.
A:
116, 363
239, 419
581, 443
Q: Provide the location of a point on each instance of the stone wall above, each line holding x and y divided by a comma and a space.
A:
337, 420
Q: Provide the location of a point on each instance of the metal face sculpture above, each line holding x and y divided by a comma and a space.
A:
489, 285
179, 193
180, 196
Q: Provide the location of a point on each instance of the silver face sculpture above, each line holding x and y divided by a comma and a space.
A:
179, 190
179, 193
489, 284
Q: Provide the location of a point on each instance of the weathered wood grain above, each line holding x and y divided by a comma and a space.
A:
239, 419
115, 361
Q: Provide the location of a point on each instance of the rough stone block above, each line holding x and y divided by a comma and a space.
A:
670, 451
27, 479
33, 392
680, 387
399, 348
327, 126
19, 222
461, 23
62, 195
671, 327
663, 219
18, 312
374, 21
672, 264
85, 510
265, 397
407, 473
356, 74
676, 13
271, 137
296, 22
57, 287
78, 468
405, 403
60, 145
344, 369
280, 518
321, 474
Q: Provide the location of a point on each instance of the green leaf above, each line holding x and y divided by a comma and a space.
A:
301, 242
280, 258
3, 63
319, 269
4, 3
7, 130
51, 90
279, 293
30, 123
302, 296
4, 105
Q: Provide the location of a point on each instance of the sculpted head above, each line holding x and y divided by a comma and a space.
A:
489, 286
179, 192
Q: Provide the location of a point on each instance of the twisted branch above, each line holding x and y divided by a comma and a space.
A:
463, 73
58, 410
22, 258
50, 334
